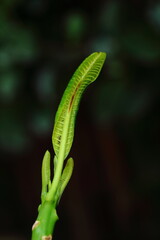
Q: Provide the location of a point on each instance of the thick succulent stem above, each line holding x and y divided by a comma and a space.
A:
44, 225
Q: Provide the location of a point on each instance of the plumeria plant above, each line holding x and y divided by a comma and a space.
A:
62, 138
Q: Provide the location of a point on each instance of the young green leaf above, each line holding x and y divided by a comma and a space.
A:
63, 132
66, 175
45, 175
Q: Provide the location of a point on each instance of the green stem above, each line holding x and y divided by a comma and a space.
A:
45, 223
60, 159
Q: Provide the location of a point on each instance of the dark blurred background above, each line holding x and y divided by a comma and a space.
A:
115, 189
